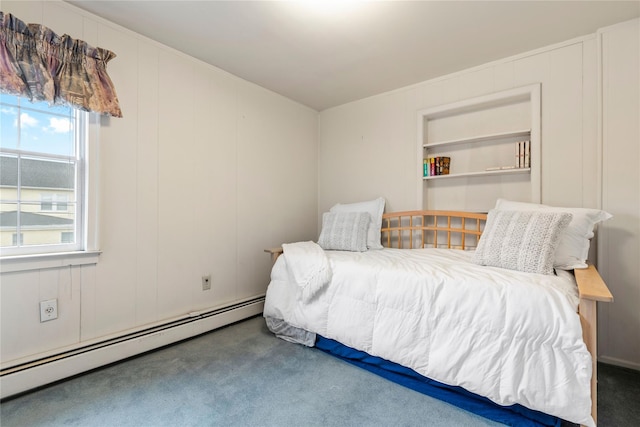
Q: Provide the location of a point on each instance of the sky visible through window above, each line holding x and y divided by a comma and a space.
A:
36, 127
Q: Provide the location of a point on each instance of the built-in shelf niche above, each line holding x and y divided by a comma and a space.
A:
479, 134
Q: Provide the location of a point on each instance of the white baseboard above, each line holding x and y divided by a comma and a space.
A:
64, 367
619, 362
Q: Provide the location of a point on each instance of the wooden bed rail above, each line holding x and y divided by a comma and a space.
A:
434, 229
591, 289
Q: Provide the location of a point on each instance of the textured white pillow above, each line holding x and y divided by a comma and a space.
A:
573, 249
344, 231
521, 240
375, 208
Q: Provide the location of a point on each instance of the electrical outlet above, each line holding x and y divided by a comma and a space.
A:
48, 310
206, 282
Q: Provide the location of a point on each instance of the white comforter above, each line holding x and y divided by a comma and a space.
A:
512, 337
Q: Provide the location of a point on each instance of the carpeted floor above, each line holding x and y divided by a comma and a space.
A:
618, 396
242, 375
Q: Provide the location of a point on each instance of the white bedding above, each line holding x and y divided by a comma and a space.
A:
510, 336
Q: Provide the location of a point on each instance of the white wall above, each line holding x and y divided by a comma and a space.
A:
204, 171
620, 237
371, 144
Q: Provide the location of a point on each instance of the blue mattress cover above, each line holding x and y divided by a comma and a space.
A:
514, 415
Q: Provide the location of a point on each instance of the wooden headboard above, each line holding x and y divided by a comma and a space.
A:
432, 229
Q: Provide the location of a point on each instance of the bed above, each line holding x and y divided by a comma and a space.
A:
429, 303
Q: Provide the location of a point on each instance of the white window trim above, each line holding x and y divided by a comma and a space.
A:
11, 264
90, 186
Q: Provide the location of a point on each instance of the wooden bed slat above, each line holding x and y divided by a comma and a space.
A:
424, 223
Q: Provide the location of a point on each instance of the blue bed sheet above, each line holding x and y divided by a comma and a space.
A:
514, 415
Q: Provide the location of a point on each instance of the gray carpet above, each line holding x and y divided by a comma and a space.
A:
618, 396
240, 375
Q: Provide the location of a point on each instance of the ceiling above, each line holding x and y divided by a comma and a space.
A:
327, 53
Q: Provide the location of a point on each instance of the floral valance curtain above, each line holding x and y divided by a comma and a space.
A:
38, 64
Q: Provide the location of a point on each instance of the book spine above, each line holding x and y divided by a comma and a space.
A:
517, 162
432, 166
527, 154
521, 154
425, 167
446, 163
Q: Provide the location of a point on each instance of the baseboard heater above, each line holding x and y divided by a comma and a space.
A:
36, 373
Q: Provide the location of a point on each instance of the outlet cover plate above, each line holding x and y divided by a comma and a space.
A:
48, 310
206, 282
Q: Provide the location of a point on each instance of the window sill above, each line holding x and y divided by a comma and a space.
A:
16, 263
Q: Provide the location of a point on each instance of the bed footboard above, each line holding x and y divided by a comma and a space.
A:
591, 289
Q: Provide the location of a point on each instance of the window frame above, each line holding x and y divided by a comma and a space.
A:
79, 209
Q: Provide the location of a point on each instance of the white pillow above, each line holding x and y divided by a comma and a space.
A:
344, 231
375, 208
573, 249
521, 240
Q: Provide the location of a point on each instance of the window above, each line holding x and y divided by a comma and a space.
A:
56, 202
61, 202
46, 203
42, 175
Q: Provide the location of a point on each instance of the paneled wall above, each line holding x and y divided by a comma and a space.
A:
620, 237
371, 144
203, 172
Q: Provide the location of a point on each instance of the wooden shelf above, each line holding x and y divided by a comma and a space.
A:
505, 117
480, 173
481, 138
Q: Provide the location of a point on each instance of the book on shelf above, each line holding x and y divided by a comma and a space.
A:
523, 154
519, 154
434, 166
444, 162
